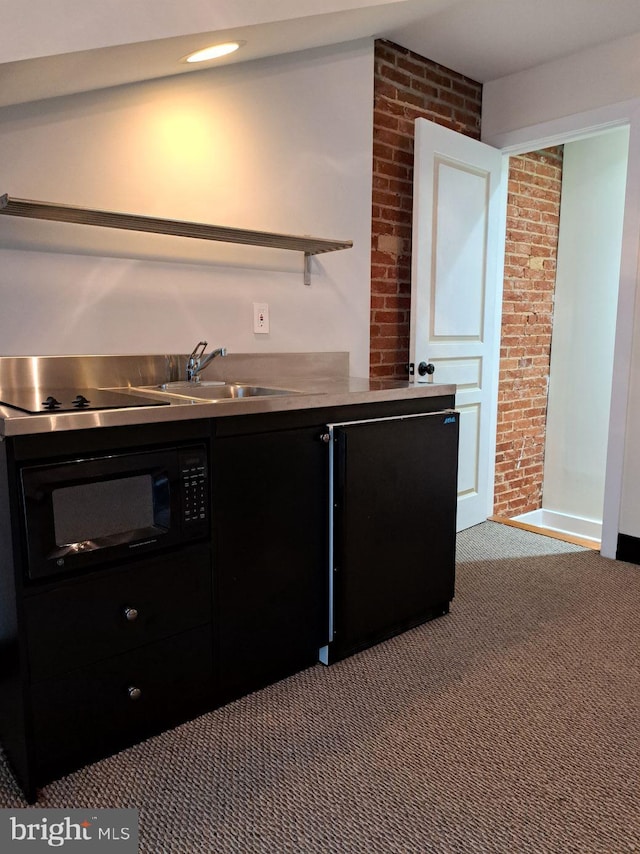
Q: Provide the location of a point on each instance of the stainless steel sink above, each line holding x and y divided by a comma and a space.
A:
215, 391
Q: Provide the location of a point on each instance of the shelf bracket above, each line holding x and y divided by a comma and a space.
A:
307, 268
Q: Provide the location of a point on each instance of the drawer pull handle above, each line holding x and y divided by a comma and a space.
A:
131, 614
134, 693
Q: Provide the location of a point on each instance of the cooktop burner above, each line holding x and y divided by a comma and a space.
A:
47, 400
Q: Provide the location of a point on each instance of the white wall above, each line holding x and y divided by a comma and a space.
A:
282, 144
591, 215
584, 81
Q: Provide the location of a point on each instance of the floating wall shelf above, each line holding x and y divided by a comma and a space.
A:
132, 222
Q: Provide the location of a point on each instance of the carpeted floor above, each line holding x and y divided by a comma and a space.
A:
510, 726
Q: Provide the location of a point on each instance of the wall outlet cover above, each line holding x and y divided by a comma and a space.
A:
261, 318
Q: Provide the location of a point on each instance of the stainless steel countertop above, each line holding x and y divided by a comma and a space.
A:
310, 393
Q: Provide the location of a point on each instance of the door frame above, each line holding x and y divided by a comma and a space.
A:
569, 129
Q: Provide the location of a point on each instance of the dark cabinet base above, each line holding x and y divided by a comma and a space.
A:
85, 620
270, 555
95, 711
83, 677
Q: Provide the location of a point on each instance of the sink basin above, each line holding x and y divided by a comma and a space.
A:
215, 391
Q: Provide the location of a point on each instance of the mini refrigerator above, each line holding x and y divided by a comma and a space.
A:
392, 526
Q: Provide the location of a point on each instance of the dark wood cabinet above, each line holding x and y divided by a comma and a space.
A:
113, 659
84, 621
270, 555
85, 714
91, 662
96, 658
395, 473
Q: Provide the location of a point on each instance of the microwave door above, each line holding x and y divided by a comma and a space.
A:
89, 511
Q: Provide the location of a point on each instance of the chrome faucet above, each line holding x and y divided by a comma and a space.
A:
197, 361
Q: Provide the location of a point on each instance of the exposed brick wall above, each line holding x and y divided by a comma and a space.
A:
406, 87
533, 216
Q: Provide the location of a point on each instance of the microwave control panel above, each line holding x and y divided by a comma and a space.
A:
194, 479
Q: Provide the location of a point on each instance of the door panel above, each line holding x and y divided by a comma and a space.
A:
469, 468
464, 372
459, 241
456, 243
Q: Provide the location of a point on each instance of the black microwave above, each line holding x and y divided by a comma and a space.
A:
84, 512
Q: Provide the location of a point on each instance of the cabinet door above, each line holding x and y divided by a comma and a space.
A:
270, 518
83, 621
393, 531
88, 713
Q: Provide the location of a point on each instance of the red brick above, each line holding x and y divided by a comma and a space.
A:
532, 231
407, 86
389, 286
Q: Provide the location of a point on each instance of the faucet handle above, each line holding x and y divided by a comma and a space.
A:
198, 351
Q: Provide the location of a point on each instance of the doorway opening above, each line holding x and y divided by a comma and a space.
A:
562, 259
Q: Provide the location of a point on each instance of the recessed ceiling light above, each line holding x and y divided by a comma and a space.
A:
215, 51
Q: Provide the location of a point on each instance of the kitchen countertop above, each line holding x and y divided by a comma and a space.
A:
308, 393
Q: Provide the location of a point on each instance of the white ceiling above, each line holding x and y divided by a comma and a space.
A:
488, 39
70, 46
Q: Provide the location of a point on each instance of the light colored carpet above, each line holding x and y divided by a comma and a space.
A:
510, 726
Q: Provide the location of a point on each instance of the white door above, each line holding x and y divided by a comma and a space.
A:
458, 241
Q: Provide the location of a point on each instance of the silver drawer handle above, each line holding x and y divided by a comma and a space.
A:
131, 614
134, 693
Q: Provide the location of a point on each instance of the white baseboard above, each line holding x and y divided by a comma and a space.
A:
589, 529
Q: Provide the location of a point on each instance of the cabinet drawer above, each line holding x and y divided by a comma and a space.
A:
85, 621
95, 711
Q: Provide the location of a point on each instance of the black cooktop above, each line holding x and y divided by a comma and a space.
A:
48, 400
